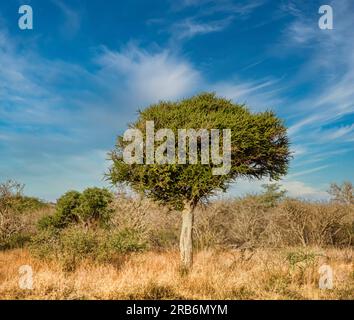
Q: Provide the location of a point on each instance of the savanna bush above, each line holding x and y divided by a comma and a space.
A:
92, 207
66, 209
76, 243
45, 244
138, 224
248, 222
68, 246
127, 240
17, 213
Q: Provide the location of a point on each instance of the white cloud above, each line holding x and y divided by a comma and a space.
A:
335, 133
210, 10
150, 77
294, 188
190, 28
259, 94
298, 189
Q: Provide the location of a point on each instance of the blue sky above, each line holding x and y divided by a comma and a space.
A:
71, 85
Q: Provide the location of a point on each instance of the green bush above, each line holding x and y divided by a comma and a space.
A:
91, 207
68, 246
45, 244
163, 238
17, 240
79, 242
66, 207
127, 240
49, 222
95, 206
28, 204
301, 258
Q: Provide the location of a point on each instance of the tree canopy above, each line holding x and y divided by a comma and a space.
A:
259, 148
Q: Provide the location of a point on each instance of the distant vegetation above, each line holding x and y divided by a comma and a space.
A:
99, 225
17, 215
279, 239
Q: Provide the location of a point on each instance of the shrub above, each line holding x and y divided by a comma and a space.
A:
90, 207
95, 206
127, 240
17, 240
49, 222
45, 244
66, 207
78, 242
342, 193
272, 194
12, 199
301, 258
26, 204
68, 246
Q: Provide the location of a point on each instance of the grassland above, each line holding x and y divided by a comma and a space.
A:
217, 274
255, 247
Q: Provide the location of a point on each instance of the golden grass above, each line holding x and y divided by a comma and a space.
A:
262, 274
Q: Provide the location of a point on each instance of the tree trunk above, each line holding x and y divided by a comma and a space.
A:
186, 240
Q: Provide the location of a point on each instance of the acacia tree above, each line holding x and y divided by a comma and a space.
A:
258, 148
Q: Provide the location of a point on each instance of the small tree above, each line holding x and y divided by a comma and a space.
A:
272, 194
259, 148
94, 206
66, 207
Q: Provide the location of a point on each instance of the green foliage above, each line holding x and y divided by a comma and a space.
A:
272, 194
72, 245
45, 244
66, 209
164, 238
17, 240
301, 258
68, 246
27, 204
94, 205
91, 206
79, 242
127, 240
12, 199
49, 221
259, 149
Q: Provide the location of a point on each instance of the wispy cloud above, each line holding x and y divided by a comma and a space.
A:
257, 94
207, 19
208, 7
323, 117
149, 76
190, 28
305, 172
72, 18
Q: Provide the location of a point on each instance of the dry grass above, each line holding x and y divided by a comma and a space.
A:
231, 274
